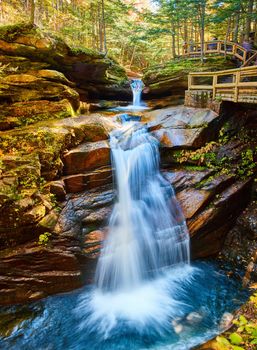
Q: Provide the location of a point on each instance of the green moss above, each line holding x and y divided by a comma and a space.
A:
76, 51
11, 32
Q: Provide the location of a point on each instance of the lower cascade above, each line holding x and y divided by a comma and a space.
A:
147, 228
147, 235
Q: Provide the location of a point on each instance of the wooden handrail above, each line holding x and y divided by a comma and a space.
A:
227, 71
235, 90
217, 46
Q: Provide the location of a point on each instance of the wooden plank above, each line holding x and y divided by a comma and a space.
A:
201, 87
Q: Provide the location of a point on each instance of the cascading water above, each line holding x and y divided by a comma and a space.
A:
147, 234
139, 301
147, 229
137, 87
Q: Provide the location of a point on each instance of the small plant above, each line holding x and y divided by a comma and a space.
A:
43, 239
244, 335
247, 165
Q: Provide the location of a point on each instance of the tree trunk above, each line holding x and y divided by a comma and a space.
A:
1, 10
236, 27
173, 38
32, 11
104, 29
249, 19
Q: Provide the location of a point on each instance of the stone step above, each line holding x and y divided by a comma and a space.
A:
87, 156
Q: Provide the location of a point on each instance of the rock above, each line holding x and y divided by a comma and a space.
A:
240, 246
87, 156
38, 272
58, 189
192, 200
25, 113
208, 229
93, 73
226, 321
88, 180
93, 242
183, 127
194, 317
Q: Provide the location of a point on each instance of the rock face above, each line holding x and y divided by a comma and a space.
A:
47, 249
30, 156
171, 78
25, 48
240, 246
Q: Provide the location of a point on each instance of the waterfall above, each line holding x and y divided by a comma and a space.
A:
137, 87
147, 231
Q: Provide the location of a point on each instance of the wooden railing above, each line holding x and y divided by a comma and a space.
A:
237, 85
217, 47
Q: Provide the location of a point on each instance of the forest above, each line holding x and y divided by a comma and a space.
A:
137, 33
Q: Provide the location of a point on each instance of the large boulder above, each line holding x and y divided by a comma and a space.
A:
183, 127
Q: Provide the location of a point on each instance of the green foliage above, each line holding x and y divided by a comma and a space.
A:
247, 165
43, 239
244, 332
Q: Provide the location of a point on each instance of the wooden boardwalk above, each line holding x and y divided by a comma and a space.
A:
220, 47
237, 85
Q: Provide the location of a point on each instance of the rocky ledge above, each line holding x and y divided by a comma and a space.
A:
171, 78
43, 78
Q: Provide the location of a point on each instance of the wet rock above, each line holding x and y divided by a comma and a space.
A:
209, 228
93, 242
87, 156
183, 127
58, 189
192, 200
240, 246
32, 272
88, 180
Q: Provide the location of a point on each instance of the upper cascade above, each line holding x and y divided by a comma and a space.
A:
137, 87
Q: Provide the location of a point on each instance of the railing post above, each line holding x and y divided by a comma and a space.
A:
219, 47
189, 81
237, 80
244, 56
214, 83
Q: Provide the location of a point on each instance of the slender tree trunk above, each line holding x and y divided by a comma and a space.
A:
32, 11
132, 57
173, 38
202, 7
100, 30
1, 10
249, 19
236, 27
104, 29
227, 36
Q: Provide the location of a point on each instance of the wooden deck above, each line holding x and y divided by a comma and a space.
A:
237, 85
220, 47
